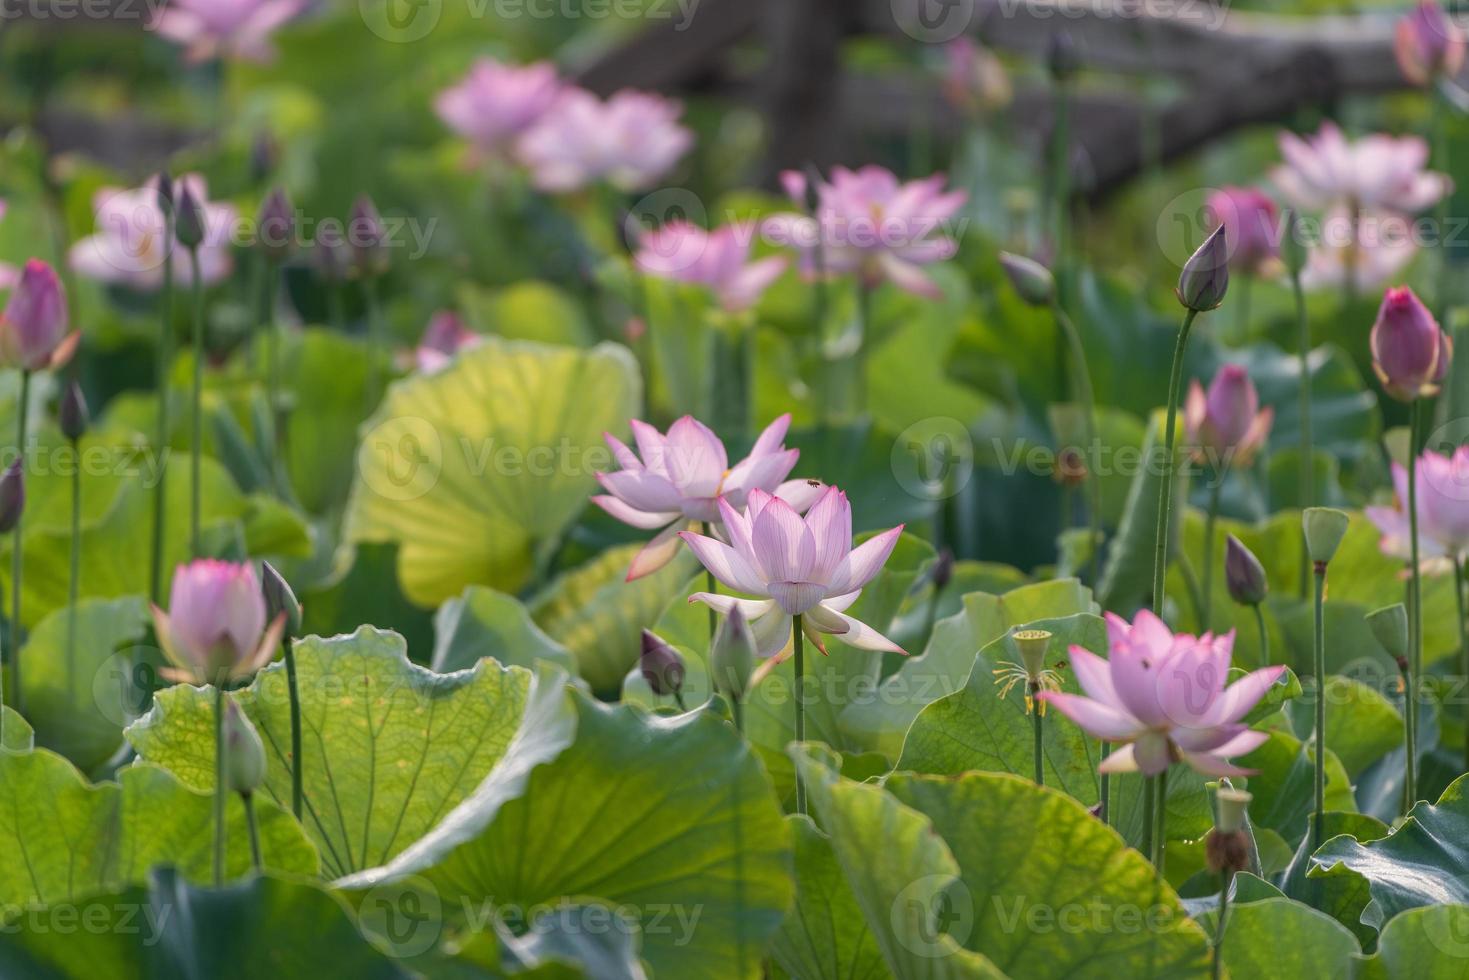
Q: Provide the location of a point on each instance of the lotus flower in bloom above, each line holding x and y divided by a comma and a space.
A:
496, 103
1164, 696
795, 566
33, 329
1443, 511
717, 259
129, 248
629, 141
683, 476
1367, 251
1251, 228
445, 336
1427, 44
1227, 425
870, 225
1410, 353
1374, 172
225, 28
215, 627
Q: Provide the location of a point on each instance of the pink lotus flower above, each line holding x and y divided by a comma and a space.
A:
495, 103
225, 28
1428, 44
445, 336
1251, 228
718, 259
974, 79
129, 247
215, 628
629, 141
1443, 511
682, 477
870, 225
796, 566
1375, 172
1228, 422
1410, 353
1164, 696
1367, 251
33, 329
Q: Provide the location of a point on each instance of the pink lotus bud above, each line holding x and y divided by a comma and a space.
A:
215, 628
1407, 346
661, 665
1428, 44
33, 331
1228, 420
1205, 276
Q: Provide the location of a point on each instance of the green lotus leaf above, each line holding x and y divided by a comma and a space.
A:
485, 623
1279, 937
824, 937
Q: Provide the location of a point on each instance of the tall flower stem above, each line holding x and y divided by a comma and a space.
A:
1059, 173
1036, 721
197, 409
712, 587
1318, 823
375, 343
1083, 381
17, 693
1264, 635
295, 694
1415, 591
1218, 944
1160, 820
73, 582
1165, 494
1104, 794
1206, 591
219, 783
1150, 792
1308, 472
1463, 641
273, 370
798, 687
859, 359
249, 800
160, 446
1439, 133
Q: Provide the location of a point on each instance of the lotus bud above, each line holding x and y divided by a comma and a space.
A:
164, 189
1390, 625
1030, 279
732, 657
279, 599
264, 154
1428, 44
1243, 573
661, 665
244, 755
215, 628
1227, 847
366, 235
33, 331
1325, 527
1205, 276
189, 223
943, 569
72, 414
1294, 247
1407, 346
276, 226
1062, 59
12, 495
1033, 645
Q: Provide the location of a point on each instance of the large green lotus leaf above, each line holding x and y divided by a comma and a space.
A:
824, 937
476, 470
485, 623
77, 694
325, 375
1429, 943
1343, 894
69, 838
1039, 910
527, 310
16, 733
1278, 937
639, 812
566, 942
599, 616
363, 587
1425, 861
899, 870
1361, 724
169, 929
881, 722
390, 747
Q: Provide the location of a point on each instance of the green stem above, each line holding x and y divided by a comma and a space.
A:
297, 763
712, 587
1415, 590
1463, 642
798, 687
1160, 821
273, 372
1165, 494
1206, 591
375, 342
1150, 792
219, 784
1264, 635
738, 708
250, 823
165, 364
1036, 723
1308, 472
197, 412
1104, 795
1318, 824
864, 326
1060, 191
1083, 381
1218, 943
73, 582
1439, 134
17, 693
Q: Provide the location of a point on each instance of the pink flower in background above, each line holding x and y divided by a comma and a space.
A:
1443, 511
796, 566
128, 248
974, 79
1428, 44
445, 336
1164, 696
1367, 252
1227, 422
683, 476
215, 627
1251, 228
629, 141
495, 103
1410, 353
872, 226
34, 328
718, 259
225, 28
1377, 172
